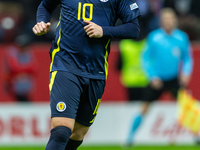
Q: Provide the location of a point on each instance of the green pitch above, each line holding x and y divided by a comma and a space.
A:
114, 148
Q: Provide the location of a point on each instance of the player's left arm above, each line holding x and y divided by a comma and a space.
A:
187, 63
128, 12
127, 30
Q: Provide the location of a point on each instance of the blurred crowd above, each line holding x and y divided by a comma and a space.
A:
187, 11
18, 17
19, 67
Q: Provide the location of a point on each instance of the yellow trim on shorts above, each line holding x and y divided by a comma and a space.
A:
53, 75
106, 60
96, 109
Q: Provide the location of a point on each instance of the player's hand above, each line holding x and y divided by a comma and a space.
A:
156, 84
93, 30
41, 28
184, 80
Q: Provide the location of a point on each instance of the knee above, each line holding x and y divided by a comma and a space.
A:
61, 121
61, 133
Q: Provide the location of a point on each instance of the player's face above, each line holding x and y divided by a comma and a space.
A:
168, 22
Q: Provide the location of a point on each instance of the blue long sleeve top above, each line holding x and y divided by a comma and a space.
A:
130, 29
72, 50
167, 55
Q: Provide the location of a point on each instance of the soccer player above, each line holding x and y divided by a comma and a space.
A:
79, 61
168, 63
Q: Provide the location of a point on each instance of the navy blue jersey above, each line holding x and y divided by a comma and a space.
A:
72, 50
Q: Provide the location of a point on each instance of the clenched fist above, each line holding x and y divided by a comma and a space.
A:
41, 28
93, 30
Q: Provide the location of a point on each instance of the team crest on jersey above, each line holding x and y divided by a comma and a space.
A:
61, 106
103, 0
133, 6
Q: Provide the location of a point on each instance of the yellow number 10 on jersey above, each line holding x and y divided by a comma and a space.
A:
84, 11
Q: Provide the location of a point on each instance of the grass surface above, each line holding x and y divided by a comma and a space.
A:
114, 148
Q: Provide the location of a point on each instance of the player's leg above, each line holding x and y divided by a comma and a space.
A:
60, 133
79, 132
149, 95
65, 97
86, 113
77, 136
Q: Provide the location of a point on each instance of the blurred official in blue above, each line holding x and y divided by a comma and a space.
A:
167, 62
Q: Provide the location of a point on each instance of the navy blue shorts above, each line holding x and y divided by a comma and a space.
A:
75, 97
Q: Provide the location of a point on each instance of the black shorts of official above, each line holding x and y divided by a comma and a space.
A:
136, 93
150, 94
75, 97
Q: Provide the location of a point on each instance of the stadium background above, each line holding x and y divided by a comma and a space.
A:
27, 124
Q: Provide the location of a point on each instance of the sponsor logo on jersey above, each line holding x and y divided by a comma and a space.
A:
103, 0
133, 6
61, 106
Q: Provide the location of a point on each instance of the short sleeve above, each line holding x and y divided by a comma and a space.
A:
127, 10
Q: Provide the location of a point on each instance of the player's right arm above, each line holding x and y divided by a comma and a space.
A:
41, 28
44, 11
